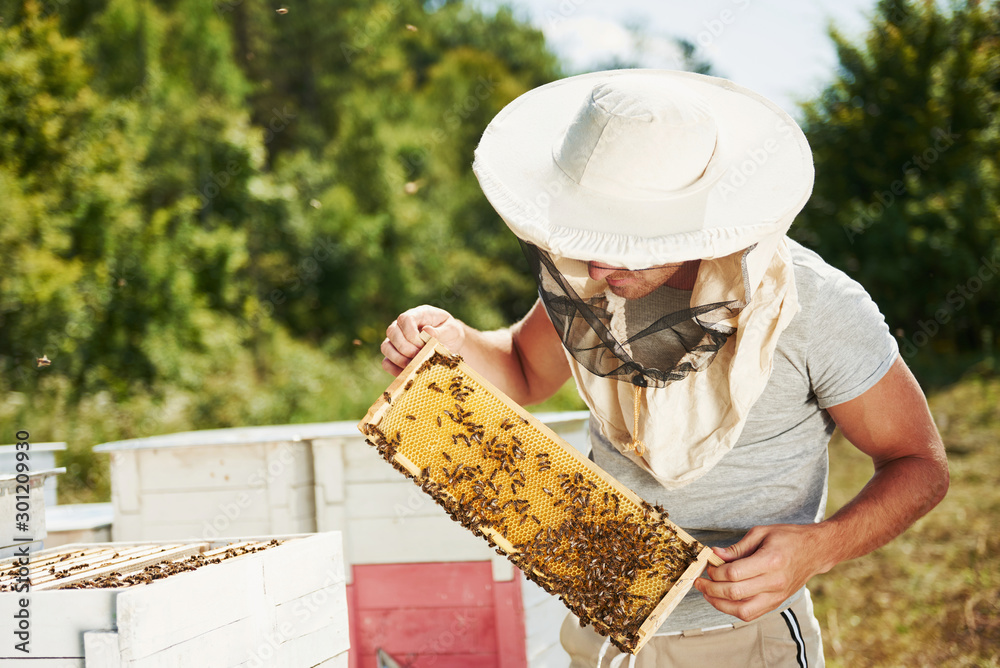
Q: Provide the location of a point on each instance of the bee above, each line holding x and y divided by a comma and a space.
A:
411, 417
387, 397
408, 385
446, 456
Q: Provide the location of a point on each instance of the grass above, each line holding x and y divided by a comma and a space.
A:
932, 596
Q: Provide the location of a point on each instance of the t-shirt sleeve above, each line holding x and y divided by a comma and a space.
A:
850, 346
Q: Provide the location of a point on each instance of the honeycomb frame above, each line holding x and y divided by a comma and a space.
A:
568, 525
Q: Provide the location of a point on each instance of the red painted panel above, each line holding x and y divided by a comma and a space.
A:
455, 661
437, 631
511, 645
441, 661
431, 585
438, 615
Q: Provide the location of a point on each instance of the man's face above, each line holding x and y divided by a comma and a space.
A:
639, 283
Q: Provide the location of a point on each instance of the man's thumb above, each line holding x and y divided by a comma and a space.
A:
746, 545
725, 553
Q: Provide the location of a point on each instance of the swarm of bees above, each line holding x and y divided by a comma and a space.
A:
609, 558
164, 569
129, 578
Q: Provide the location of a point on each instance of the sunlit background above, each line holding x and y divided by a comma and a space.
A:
211, 209
779, 48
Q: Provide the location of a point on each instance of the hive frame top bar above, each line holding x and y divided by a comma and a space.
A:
399, 386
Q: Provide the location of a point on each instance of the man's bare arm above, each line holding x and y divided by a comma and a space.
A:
892, 424
525, 361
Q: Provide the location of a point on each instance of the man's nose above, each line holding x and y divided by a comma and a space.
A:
598, 272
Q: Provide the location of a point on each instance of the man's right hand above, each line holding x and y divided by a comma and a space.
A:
526, 362
402, 338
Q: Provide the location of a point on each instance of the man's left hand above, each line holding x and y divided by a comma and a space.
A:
770, 564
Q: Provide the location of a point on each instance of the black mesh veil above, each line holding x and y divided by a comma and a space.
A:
648, 341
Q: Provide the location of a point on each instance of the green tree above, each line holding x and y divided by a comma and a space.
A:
907, 142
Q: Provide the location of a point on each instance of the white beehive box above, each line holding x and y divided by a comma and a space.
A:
43, 457
15, 508
214, 483
282, 606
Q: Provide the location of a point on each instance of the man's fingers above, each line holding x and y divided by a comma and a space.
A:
394, 357
409, 330
743, 569
391, 368
743, 560
740, 590
402, 337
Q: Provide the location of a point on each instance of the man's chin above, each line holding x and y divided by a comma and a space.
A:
631, 291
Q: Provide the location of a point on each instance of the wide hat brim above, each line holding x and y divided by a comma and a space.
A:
760, 177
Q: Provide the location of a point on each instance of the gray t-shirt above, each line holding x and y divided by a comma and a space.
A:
836, 348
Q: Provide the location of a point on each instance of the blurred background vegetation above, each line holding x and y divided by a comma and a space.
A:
211, 210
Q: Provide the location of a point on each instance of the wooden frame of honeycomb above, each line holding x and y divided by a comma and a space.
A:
613, 559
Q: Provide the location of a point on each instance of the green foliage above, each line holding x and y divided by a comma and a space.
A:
907, 150
212, 210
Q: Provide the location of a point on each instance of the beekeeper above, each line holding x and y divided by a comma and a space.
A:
715, 354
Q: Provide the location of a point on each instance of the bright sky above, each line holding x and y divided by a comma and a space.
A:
778, 48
